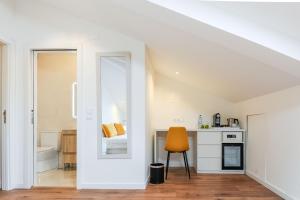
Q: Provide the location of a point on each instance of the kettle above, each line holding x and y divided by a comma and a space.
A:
232, 122
236, 122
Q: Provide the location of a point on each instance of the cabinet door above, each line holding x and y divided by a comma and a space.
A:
69, 143
209, 151
70, 158
209, 164
209, 138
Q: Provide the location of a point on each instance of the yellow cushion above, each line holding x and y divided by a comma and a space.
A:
120, 128
177, 140
104, 130
110, 130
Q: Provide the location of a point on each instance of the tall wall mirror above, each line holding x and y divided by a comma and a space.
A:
114, 105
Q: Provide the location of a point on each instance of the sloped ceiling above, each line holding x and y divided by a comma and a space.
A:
227, 50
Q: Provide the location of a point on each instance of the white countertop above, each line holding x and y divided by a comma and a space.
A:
220, 129
165, 129
208, 130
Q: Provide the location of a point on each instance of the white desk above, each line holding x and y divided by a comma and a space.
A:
205, 149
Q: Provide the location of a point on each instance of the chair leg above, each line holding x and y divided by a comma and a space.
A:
188, 168
168, 159
184, 163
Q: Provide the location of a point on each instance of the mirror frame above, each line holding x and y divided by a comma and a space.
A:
99, 105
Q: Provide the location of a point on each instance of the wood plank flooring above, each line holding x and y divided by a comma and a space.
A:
177, 187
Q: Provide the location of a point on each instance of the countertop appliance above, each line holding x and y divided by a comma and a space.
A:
232, 151
217, 120
232, 122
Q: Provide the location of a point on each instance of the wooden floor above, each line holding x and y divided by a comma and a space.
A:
176, 187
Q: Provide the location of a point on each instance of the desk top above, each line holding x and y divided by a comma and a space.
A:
207, 130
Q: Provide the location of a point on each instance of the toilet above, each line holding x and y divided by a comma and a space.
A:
47, 153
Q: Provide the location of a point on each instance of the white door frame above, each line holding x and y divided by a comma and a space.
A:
31, 142
7, 78
35, 109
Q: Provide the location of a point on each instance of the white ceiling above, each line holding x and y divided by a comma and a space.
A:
208, 55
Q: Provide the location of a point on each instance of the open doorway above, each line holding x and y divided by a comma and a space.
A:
55, 126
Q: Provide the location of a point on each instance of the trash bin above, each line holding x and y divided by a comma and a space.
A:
157, 173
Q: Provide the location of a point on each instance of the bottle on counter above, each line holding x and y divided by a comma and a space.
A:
200, 123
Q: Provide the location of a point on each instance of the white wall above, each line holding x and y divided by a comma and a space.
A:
45, 27
7, 12
176, 103
113, 173
7, 24
277, 164
179, 104
149, 113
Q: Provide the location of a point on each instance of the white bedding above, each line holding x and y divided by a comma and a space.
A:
116, 144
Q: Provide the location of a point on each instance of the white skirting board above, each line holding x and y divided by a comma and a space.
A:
125, 186
20, 186
271, 187
221, 172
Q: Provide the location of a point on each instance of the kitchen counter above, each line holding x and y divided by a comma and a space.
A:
205, 153
208, 130
224, 129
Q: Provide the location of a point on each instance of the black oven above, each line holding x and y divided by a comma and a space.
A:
232, 156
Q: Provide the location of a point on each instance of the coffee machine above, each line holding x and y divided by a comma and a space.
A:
217, 120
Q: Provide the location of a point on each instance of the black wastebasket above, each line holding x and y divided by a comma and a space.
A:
157, 173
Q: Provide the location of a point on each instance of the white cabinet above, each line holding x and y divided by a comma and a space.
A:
209, 164
209, 149
209, 138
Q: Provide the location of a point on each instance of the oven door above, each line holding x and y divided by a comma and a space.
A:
232, 156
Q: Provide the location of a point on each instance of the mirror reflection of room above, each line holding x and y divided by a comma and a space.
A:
55, 164
114, 112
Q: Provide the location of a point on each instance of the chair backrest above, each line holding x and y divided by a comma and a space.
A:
177, 140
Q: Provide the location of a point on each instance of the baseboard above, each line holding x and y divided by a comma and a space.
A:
125, 186
221, 172
270, 186
20, 186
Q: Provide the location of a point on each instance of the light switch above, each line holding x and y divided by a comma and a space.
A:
90, 114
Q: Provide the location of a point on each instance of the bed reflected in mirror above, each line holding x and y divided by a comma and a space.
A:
113, 109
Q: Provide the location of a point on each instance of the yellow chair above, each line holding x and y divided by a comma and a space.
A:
177, 142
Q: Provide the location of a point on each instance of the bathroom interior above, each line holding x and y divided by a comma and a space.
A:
55, 102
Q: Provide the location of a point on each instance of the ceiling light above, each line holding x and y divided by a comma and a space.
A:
176, 73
